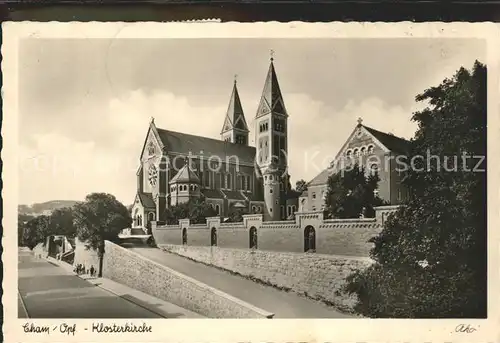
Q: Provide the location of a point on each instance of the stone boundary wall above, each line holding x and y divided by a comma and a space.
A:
332, 236
136, 271
317, 276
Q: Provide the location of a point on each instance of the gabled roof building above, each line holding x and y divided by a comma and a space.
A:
375, 150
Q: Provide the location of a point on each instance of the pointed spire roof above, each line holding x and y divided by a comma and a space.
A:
271, 99
185, 174
235, 118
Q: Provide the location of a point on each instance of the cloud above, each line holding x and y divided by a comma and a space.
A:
59, 167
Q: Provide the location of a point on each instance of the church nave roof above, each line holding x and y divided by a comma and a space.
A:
184, 143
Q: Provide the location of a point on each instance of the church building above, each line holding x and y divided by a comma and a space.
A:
378, 152
227, 173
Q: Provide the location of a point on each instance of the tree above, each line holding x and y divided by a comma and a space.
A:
196, 210
100, 217
22, 220
350, 193
301, 185
61, 222
35, 231
431, 256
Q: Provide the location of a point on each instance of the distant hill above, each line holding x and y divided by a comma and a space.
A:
45, 207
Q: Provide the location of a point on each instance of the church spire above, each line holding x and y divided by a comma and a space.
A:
235, 128
271, 99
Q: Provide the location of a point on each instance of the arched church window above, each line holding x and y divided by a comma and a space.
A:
356, 152
217, 209
240, 139
363, 151
348, 153
151, 216
370, 148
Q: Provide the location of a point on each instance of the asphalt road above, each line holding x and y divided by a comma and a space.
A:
49, 291
281, 303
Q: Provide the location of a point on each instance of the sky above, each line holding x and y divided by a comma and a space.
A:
85, 104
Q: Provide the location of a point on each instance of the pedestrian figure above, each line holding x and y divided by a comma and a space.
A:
92, 271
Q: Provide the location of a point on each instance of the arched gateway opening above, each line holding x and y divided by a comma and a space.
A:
253, 237
184, 236
213, 237
309, 239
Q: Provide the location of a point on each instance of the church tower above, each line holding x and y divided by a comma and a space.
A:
271, 141
235, 129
